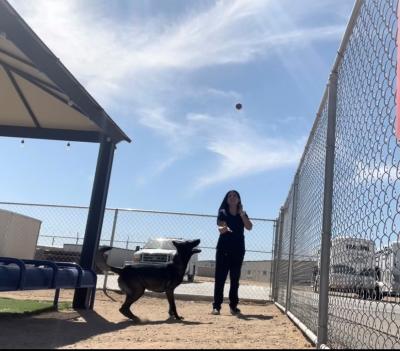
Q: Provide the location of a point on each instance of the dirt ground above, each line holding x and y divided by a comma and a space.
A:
259, 326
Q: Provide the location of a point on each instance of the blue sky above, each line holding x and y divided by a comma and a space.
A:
169, 73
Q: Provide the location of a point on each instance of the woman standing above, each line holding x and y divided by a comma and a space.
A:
231, 221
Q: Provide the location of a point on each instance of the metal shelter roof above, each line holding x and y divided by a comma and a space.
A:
39, 97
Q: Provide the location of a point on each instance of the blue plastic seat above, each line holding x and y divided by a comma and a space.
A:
10, 276
67, 278
38, 278
16, 274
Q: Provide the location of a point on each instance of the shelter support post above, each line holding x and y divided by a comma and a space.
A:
95, 218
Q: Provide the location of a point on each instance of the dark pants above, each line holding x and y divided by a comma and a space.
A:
225, 262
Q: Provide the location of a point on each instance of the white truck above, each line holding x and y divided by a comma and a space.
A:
352, 267
388, 269
161, 251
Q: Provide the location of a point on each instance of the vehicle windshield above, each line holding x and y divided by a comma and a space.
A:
160, 244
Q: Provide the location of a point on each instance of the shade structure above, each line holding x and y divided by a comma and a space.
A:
40, 98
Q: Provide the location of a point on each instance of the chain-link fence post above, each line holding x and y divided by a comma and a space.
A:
273, 260
291, 245
111, 244
327, 213
278, 253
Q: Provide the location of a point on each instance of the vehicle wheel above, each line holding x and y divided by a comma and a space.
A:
190, 278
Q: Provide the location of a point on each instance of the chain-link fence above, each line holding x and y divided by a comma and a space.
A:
343, 274
56, 233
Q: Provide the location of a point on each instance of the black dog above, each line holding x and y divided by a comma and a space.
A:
133, 280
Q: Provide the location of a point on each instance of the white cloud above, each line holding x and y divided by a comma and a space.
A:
247, 157
108, 54
238, 149
161, 166
156, 120
369, 175
141, 64
222, 94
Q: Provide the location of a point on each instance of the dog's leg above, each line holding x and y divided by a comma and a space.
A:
172, 307
125, 308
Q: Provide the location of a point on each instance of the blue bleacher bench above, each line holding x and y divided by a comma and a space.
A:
22, 274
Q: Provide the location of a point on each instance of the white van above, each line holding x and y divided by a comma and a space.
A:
161, 251
388, 269
352, 266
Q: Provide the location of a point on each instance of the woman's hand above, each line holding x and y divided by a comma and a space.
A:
223, 228
245, 218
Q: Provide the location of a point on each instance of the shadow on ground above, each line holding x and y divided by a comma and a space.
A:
167, 321
60, 329
249, 317
57, 329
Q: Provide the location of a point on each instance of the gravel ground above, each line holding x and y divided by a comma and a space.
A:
261, 326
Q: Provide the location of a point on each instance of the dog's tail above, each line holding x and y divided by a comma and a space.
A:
101, 262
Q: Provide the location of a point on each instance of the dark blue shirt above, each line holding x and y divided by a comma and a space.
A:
231, 242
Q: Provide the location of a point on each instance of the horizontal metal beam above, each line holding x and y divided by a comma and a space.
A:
347, 35
51, 134
339, 57
127, 210
307, 332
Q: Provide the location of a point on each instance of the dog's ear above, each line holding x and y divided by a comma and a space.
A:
196, 242
176, 243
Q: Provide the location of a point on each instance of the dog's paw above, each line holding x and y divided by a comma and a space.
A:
129, 314
175, 318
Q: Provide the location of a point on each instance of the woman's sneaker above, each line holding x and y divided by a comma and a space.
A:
235, 311
215, 311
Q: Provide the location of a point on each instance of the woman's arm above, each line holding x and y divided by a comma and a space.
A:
246, 221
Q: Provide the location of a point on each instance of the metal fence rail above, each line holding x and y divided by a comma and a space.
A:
344, 271
63, 227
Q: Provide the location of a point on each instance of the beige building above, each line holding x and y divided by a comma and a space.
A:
261, 271
251, 270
